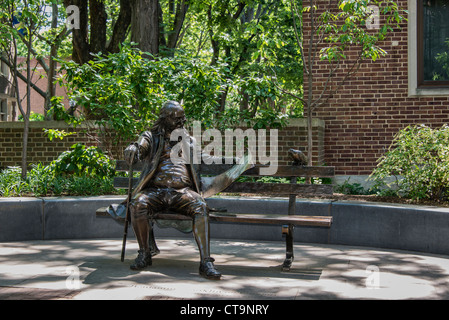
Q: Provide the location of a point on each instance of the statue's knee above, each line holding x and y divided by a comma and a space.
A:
138, 209
200, 212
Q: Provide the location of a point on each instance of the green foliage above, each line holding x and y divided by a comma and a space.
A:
123, 91
260, 44
347, 28
352, 188
82, 160
88, 185
34, 116
41, 181
107, 87
35, 14
273, 179
55, 133
80, 171
10, 182
419, 160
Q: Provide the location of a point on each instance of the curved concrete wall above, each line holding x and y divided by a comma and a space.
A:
407, 227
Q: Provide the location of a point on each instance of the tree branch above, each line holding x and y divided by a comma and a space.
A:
181, 10
353, 70
22, 77
298, 41
121, 27
240, 8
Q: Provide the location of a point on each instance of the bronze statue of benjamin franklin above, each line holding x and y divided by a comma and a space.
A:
170, 185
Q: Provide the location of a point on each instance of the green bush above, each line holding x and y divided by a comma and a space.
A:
419, 160
34, 116
81, 171
352, 188
123, 91
82, 160
11, 183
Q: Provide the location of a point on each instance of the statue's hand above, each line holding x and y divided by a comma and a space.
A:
131, 154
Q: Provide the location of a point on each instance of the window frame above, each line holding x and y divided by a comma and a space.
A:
414, 88
3, 113
420, 44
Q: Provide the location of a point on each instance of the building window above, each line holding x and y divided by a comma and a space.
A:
433, 43
3, 110
3, 68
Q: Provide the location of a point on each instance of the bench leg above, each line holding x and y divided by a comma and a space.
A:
152, 243
287, 231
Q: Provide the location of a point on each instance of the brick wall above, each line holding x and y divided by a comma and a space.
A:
363, 117
295, 136
41, 149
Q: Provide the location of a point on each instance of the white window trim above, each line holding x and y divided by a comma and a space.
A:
413, 90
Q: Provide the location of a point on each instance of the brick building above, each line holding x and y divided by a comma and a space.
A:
389, 94
7, 94
9, 110
39, 79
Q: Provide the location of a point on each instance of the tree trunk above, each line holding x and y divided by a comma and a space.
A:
181, 10
310, 84
98, 18
26, 113
26, 129
15, 73
244, 103
213, 41
51, 88
80, 52
145, 25
121, 26
222, 101
309, 138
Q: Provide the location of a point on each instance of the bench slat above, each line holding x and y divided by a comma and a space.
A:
282, 171
121, 165
279, 188
299, 220
273, 219
122, 182
257, 187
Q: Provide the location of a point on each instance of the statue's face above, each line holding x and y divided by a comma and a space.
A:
175, 119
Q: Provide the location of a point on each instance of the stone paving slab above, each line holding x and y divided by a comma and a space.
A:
91, 270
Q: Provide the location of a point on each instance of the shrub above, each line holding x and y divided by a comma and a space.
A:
352, 188
11, 182
34, 116
419, 160
89, 186
82, 160
81, 171
39, 180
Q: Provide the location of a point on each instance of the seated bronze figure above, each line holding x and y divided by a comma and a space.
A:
170, 185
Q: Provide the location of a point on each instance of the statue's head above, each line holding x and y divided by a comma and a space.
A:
172, 115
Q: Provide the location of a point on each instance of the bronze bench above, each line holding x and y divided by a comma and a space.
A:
292, 190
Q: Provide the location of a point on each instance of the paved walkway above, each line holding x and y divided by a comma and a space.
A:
91, 270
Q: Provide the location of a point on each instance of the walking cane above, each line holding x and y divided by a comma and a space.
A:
130, 186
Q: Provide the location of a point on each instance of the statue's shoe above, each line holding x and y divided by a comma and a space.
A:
208, 270
142, 261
